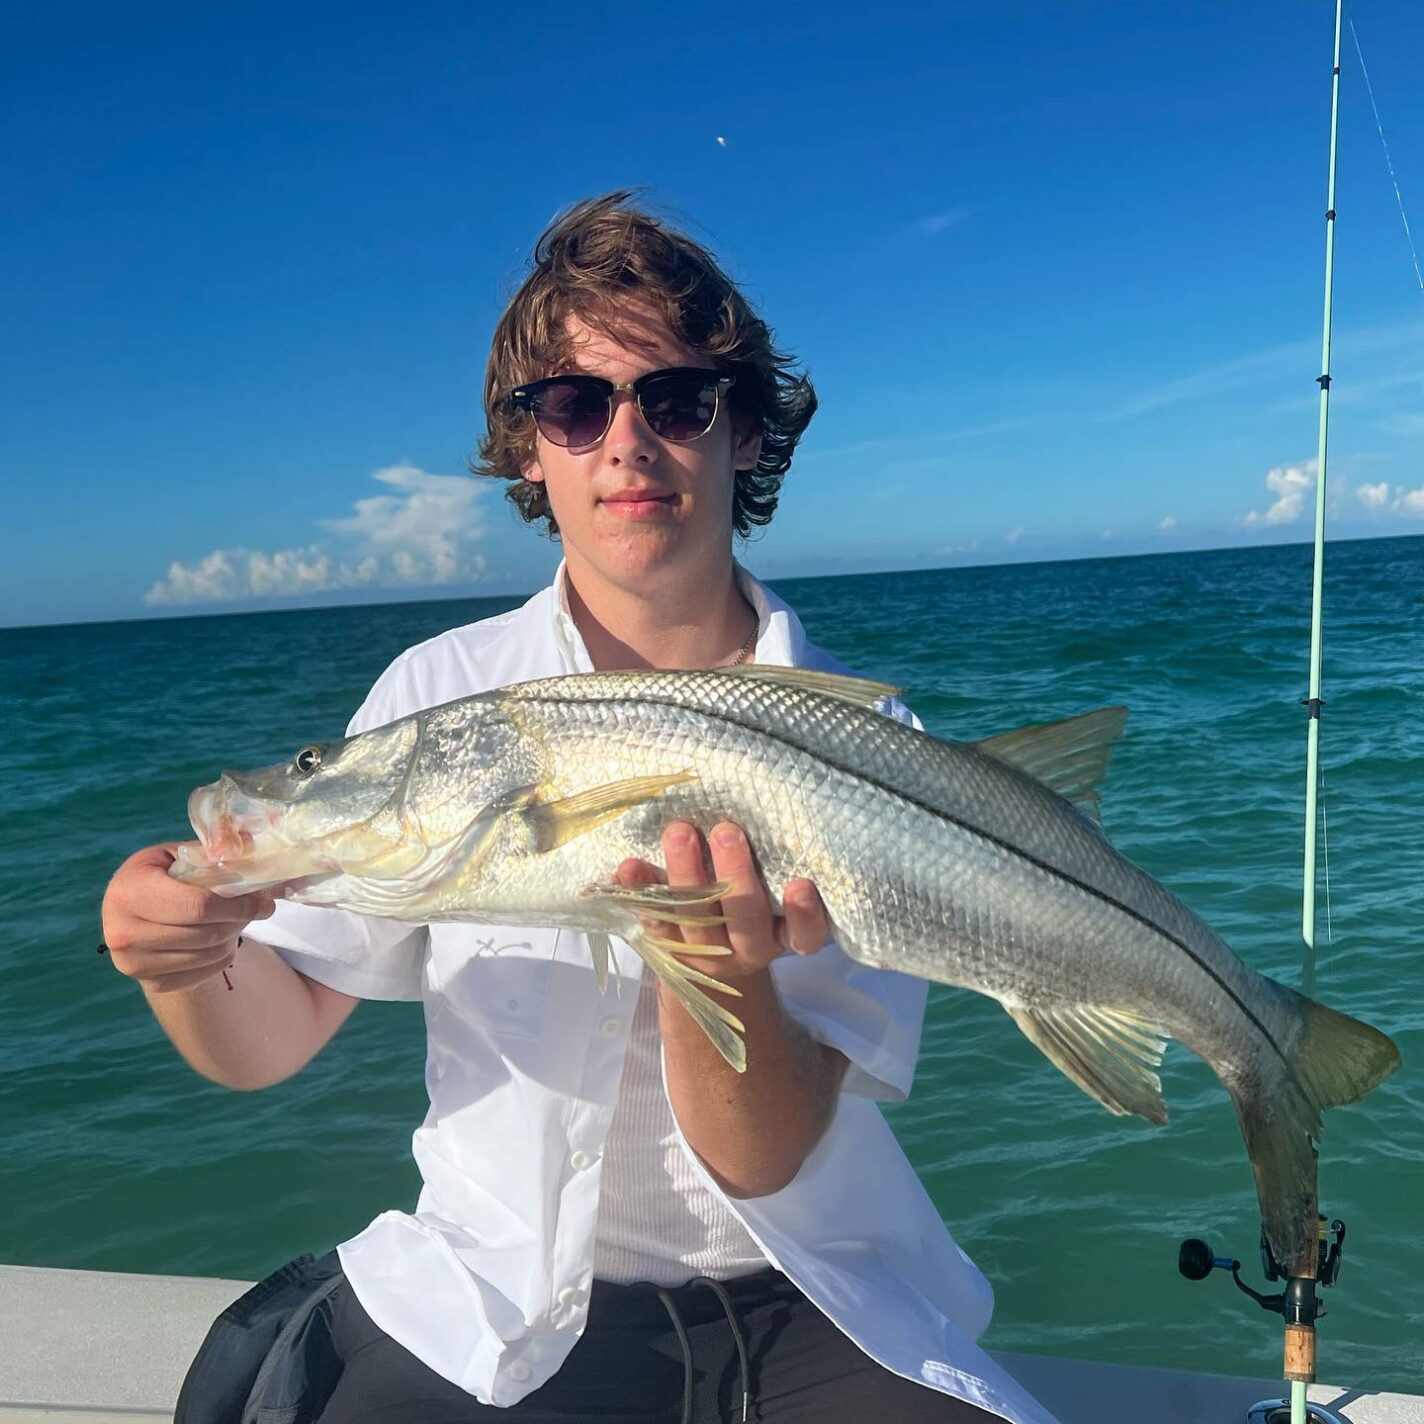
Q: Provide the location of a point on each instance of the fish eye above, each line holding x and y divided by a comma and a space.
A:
307, 760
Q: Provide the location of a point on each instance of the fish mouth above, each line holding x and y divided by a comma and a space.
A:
240, 845
227, 820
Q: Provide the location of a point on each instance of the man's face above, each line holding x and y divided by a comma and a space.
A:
635, 511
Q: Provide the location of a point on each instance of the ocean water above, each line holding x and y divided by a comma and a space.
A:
118, 1157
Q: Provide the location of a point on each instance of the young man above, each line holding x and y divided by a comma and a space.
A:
614, 1224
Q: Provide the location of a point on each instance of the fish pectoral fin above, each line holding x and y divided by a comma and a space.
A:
677, 904
555, 823
1111, 1054
858, 691
689, 987
1068, 757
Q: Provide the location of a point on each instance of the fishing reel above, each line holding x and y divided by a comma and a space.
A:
1297, 1304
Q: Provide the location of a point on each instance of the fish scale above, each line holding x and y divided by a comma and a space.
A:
979, 865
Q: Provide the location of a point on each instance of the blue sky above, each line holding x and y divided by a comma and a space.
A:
1055, 269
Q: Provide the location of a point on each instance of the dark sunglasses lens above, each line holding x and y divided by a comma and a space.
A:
572, 411
679, 407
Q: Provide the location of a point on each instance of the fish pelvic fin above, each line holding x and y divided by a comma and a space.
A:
858, 691
1337, 1060
1111, 1054
1069, 757
556, 822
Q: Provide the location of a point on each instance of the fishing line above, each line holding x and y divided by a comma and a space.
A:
1369, 89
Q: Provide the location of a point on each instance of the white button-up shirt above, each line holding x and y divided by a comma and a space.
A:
487, 1280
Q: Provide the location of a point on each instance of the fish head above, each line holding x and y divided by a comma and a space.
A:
333, 804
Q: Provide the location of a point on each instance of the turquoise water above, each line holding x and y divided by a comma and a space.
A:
118, 1157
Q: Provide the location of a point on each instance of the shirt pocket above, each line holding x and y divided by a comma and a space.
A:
495, 978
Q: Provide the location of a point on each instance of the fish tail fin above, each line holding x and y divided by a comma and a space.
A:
1336, 1060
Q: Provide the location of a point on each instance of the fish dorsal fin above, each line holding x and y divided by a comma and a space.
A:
859, 691
1068, 757
1111, 1054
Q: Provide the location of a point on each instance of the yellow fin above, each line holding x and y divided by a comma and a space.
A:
859, 691
1111, 1054
555, 823
677, 904
719, 1023
1068, 757
678, 946
602, 952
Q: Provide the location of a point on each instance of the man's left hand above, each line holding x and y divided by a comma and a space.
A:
754, 933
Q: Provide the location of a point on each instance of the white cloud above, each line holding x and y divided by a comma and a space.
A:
1274, 365
1169, 522
424, 534
1386, 498
1290, 484
1014, 535
937, 223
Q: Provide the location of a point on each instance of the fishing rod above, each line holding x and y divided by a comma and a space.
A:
1297, 1302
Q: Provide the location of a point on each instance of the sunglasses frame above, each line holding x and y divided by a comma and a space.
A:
524, 398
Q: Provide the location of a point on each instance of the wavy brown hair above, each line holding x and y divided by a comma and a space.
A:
591, 262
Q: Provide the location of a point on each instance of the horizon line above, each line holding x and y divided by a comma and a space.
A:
771, 579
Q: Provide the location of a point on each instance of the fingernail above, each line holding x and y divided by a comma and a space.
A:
680, 835
727, 837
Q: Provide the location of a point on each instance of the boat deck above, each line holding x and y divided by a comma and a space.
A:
81, 1347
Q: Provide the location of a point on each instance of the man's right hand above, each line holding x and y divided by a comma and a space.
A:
168, 935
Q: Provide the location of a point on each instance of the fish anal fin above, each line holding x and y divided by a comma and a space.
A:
1068, 757
556, 822
1111, 1054
717, 1021
858, 691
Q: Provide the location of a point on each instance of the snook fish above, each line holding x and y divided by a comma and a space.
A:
979, 864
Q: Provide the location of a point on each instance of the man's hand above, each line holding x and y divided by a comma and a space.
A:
167, 935
754, 933
752, 1130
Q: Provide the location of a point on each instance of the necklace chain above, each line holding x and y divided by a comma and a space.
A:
745, 650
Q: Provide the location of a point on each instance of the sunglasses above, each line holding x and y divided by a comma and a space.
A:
679, 403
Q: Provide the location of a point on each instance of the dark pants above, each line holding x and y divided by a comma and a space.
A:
645, 1357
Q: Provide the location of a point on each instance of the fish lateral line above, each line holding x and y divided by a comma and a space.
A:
725, 716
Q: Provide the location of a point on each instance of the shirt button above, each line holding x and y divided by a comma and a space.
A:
609, 1027
580, 1160
518, 1371
570, 1295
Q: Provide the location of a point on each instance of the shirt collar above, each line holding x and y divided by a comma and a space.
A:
781, 640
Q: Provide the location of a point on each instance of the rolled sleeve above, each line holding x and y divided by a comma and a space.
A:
360, 955
873, 1016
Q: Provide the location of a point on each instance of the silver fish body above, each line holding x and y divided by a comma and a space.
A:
958, 862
